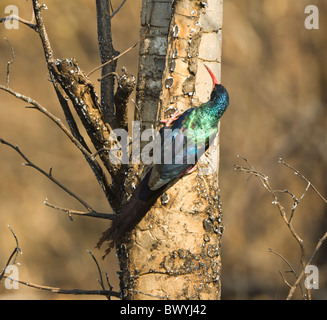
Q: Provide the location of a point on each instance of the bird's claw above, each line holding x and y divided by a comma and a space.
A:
173, 118
190, 170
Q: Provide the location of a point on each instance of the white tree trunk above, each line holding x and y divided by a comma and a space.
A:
174, 252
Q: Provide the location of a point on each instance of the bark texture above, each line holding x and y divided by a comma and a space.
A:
174, 252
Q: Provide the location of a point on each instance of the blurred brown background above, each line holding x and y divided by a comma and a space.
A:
276, 72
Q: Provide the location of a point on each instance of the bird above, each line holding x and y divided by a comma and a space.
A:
186, 136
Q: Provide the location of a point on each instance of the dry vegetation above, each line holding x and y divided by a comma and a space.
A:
276, 73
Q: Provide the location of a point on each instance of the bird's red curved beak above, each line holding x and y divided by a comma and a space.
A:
214, 80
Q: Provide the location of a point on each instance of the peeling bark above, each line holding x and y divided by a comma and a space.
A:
174, 252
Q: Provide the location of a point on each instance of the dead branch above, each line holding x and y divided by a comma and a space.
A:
71, 83
66, 291
78, 90
291, 269
112, 60
288, 220
82, 94
119, 7
102, 179
293, 288
12, 258
70, 212
102, 139
117, 57
49, 175
9, 62
100, 275
31, 24
53, 118
37, 7
301, 176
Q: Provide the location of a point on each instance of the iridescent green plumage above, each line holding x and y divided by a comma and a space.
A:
189, 137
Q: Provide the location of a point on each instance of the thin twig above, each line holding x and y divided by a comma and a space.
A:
320, 242
290, 266
110, 61
299, 174
66, 291
37, 7
100, 273
13, 256
10, 62
48, 175
43, 110
120, 6
74, 134
115, 58
284, 279
265, 182
94, 164
31, 24
70, 212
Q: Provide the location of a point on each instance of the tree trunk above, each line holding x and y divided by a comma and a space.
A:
174, 252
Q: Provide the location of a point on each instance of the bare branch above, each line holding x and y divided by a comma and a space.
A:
288, 221
13, 256
290, 266
37, 7
300, 175
48, 175
83, 96
117, 57
100, 275
67, 291
284, 279
96, 168
12, 260
112, 60
9, 62
292, 290
70, 212
31, 24
69, 116
120, 6
43, 110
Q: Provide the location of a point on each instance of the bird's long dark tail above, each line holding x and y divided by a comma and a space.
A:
143, 198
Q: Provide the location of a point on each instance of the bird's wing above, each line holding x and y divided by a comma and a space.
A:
180, 150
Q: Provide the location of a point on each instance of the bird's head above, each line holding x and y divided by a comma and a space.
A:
219, 93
